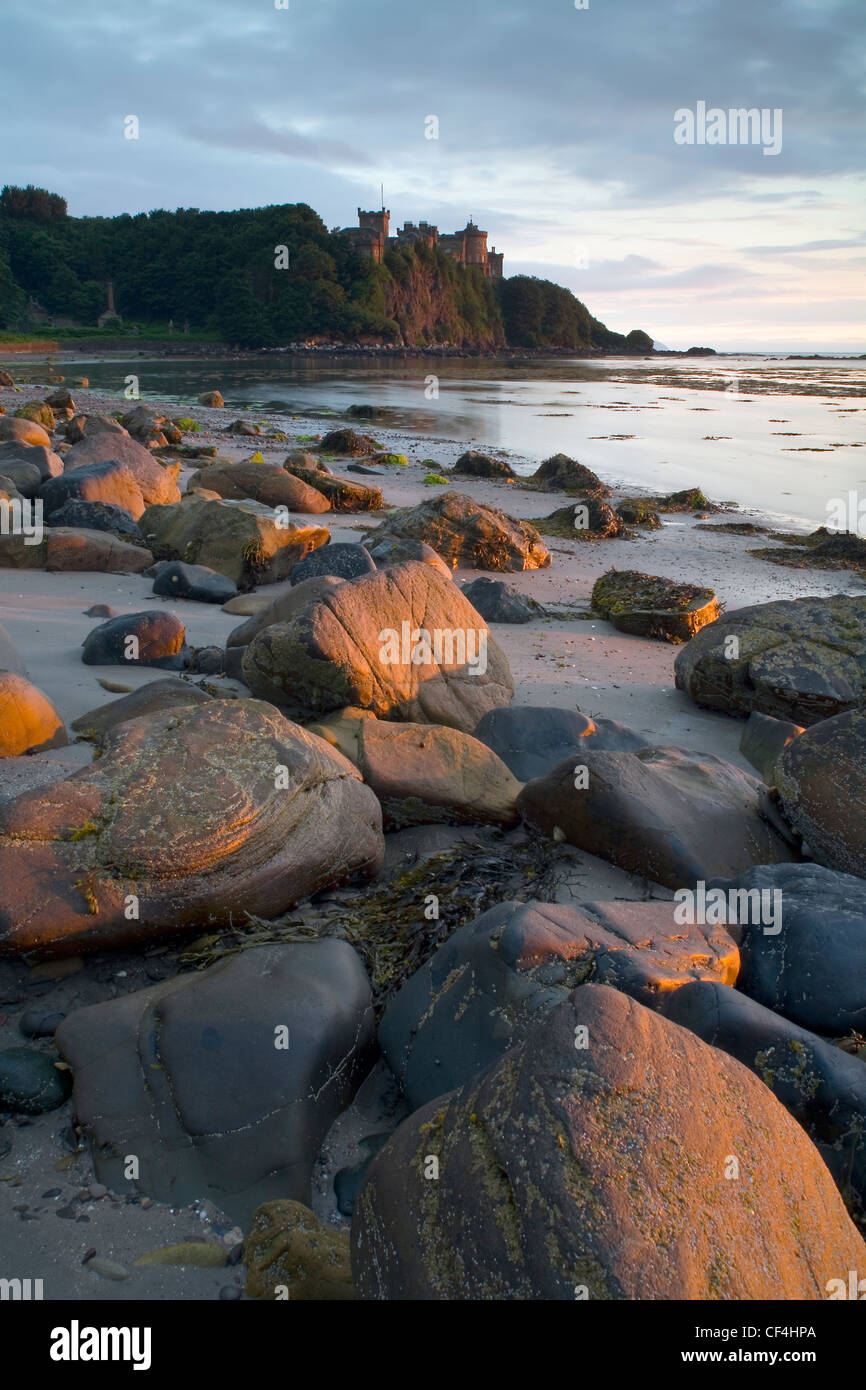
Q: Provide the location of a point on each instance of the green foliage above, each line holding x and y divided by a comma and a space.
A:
221, 273
187, 424
436, 480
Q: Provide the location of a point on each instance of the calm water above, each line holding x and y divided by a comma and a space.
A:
785, 437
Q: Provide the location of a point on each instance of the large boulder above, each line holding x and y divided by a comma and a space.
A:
466, 533
92, 552
153, 638
282, 609
402, 642
28, 720
423, 773
340, 559
169, 693
157, 481
595, 1160
243, 541
822, 1086
48, 463
98, 516
764, 739
534, 739
25, 431
85, 425
487, 987
26, 476
223, 1083
648, 605
806, 959
267, 483
820, 781
663, 813
109, 483
799, 659
197, 816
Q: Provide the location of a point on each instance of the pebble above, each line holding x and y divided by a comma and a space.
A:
40, 1023
229, 1292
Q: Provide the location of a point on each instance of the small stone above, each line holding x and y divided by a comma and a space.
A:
229, 1292
30, 1083
52, 1192
66, 1213
97, 1191
39, 1023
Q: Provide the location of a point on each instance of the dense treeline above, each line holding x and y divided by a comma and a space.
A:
262, 277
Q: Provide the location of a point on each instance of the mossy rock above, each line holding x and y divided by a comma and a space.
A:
639, 511
291, 1255
435, 480
38, 412
648, 605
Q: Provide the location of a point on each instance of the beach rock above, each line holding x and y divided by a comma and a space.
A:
110, 483
466, 533
647, 605
9, 492
224, 1082
26, 477
156, 481
94, 552
98, 516
5, 378
601, 1171
395, 550
10, 657
38, 412
663, 813
290, 1254
348, 442
30, 1083
590, 519
763, 741
341, 493
639, 511
424, 773
150, 427
819, 779
822, 1086
153, 638
533, 739
287, 605
563, 474
28, 720
26, 431
50, 465
40, 1022
354, 646
238, 540
477, 465
61, 399
178, 580
796, 659
153, 698
245, 427
497, 602
488, 986
100, 610
260, 815
86, 425
212, 398
340, 559
267, 483
809, 963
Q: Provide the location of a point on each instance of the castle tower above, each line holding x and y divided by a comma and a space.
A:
379, 224
476, 245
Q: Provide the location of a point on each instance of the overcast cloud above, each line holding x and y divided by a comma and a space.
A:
555, 133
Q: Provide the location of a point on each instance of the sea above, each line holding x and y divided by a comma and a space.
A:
783, 437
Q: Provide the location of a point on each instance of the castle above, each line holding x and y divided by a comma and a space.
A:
370, 239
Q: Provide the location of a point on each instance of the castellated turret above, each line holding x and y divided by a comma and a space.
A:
370, 239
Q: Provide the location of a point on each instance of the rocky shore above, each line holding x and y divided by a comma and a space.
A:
422, 874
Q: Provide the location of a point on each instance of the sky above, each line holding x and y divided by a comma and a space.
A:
556, 133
